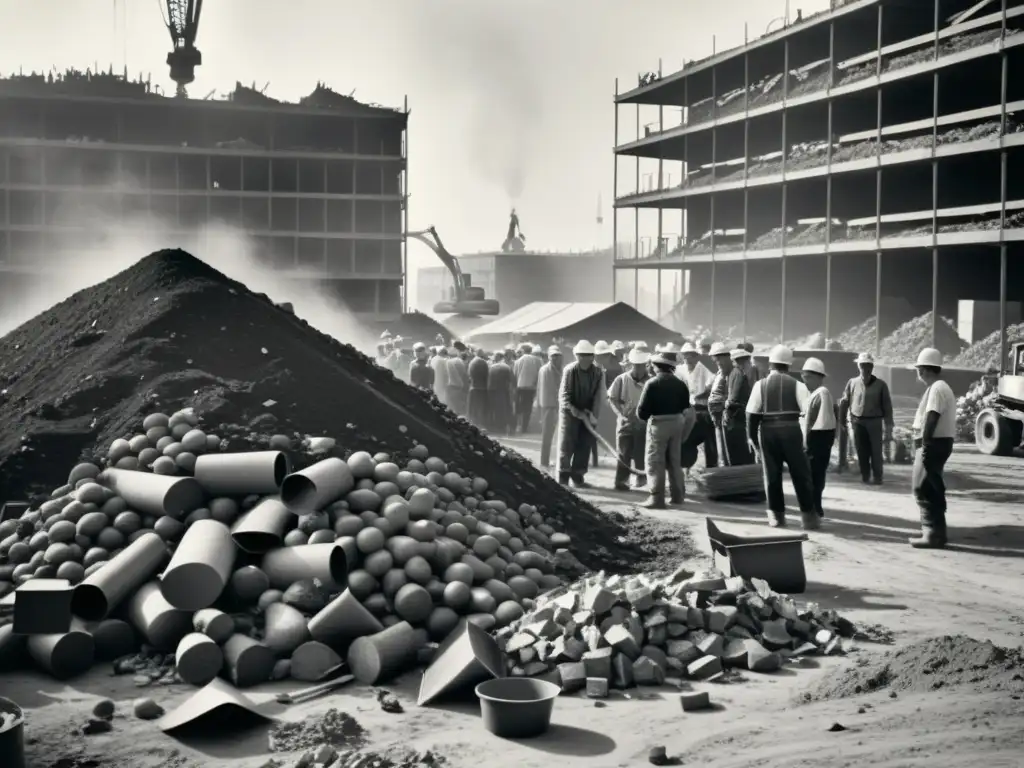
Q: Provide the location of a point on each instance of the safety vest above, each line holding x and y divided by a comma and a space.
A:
778, 397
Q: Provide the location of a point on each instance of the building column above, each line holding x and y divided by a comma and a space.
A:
878, 302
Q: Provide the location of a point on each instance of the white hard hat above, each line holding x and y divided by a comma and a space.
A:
738, 353
602, 348
814, 365
419, 345
781, 355
639, 345
689, 349
659, 348
718, 348
583, 347
865, 358
554, 349
672, 348
536, 349
618, 346
638, 357
929, 357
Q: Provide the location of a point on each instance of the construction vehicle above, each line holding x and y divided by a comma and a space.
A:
183, 23
515, 240
999, 428
465, 300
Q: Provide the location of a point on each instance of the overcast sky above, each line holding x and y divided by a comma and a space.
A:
511, 99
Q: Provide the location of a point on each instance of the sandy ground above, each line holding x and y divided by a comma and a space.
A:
859, 563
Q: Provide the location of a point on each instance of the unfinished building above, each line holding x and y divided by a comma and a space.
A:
864, 161
319, 186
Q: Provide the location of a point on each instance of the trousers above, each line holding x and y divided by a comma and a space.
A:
702, 434
819, 452
476, 407
783, 443
548, 425
929, 487
664, 455
501, 416
574, 446
867, 441
631, 441
524, 408
456, 400
732, 442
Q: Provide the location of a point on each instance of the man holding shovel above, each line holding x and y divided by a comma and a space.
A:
630, 431
665, 406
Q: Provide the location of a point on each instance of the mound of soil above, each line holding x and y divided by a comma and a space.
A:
171, 332
938, 662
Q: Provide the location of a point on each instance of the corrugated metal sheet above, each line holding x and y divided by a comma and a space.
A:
541, 317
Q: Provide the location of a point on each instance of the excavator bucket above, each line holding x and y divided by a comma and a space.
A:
468, 308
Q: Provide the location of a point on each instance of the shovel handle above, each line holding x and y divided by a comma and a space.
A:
292, 697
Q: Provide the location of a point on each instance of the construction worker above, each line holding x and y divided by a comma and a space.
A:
603, 358
630, 431
526, 370
458, 381
747, 364
420, 373
579, 401
734, 415
479, 373
549, 382
405, 357
501, 389
934, 429
699, 380
719, 394
819, 427
665, 406
867, 401
773, 427
440, 365
705, 347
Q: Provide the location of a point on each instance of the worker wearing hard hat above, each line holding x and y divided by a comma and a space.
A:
705, 346
773, 426
733, 441
579, 400
665, 406
867, 402
819, 427
934, 428
606, 420
420, 373
440, 365
457, 392
630, 431
526, 369
501, 388
722, 356
549, 382
698, 379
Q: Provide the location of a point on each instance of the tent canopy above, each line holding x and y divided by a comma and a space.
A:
572, 321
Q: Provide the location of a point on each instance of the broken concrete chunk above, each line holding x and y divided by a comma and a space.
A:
735, 653
569, 601
547, 613
592, 638
526, 655
573, 676
704, 667
760, 659
694, 702
676, 613
735, 585
546, 629
805, 649
561, 616
598, 663
597, 688
621, 640
683, 650
676, 630
647, 672
622, 671
698, 584
636, 628
761, 587
800, 628
641, 598
519, 641
535, 668
656, 617
712, 645
774, 635
583, 617
719, 618
738, 631
599, 600
695, 618
656, 655
657, 635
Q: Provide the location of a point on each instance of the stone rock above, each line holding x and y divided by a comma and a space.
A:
694, 702
704, 667
619, 638
147, 709
598, 663
647, 672
573, 676
622, 671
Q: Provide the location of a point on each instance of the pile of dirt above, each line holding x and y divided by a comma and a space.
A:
172, 332
938, 662
904, 343
984, 354
416, 326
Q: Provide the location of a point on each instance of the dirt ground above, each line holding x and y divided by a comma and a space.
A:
859, 564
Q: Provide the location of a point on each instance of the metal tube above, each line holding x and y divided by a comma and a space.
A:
343, 620
159, 622
262, 528
109, 585
327, 562
317, 486
156, 495
200, 567
241, 474
64, 655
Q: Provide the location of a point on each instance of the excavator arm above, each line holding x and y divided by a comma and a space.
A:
467, 300
434, 243
183, 24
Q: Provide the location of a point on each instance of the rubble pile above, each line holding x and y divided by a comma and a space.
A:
623, 631
171, 332
984, 354
265, 591
904, 343
980, 396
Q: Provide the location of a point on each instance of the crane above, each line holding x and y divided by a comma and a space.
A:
467, 300
183, 23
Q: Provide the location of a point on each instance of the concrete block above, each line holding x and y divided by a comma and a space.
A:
760, 659
535, 668
674, 629
694, 702
519, 641
573, 649
695, 618
774, 635
800, 628
657, 635
676, 613
656, 617
735, 585
592, 638
655, 654
582, 618
641, 598
622, 671
712, 645
735, 653
599, 600
683, 650
573, 676
597, 688
598, 663
719, 618
546, 629
647, 672
621, 640
704, 667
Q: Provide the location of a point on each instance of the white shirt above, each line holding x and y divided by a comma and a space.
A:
826, 411
527, 369
939, 398
698, 380
803, 397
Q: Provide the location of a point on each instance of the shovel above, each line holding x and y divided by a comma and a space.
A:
315, 691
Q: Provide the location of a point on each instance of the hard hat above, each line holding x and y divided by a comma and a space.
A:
602, 348
618, 346
739, 353
706, 341
688, 349
583, 347
929, 357
663, 360
554, 349
814, 365
718, 348
419, 345
659, 348
865, 358
536, 349
781, 355
671, 348
639, 345
638, 357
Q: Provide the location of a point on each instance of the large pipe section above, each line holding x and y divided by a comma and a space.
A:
109, 585
200, 567
262, 528
316, 486
152, 494
241, 474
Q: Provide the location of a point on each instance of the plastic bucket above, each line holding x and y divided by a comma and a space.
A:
12, 735
517, 707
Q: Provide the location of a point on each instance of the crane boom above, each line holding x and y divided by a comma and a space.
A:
183, 24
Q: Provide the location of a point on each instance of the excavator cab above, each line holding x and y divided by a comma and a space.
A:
465, 299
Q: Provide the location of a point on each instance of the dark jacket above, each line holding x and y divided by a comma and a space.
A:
663, 395
478, 370
421, 374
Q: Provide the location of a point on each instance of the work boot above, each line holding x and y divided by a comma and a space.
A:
580, 483
776, 520
677, 499
810, 520
655, 502
624, 487
563, 479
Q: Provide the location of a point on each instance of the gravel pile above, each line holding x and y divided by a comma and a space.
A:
904, 343
984, 354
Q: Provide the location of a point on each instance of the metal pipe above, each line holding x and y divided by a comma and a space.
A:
382, 656
241, 474
262, 528
326, 562
156, 495
317, 486
113, 582
200, 567
63, 655
159, 622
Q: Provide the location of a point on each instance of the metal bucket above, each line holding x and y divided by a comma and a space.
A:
517, 707
12, 735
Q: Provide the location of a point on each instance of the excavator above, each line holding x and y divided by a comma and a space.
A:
182, 22
466, 300
999, 428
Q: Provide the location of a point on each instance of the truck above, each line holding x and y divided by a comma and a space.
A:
999, 428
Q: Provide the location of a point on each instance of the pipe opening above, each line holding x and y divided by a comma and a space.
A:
281, 469
88, 602
338, 566
256, 542
298, 491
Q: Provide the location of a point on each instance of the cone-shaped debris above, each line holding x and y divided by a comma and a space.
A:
468, 656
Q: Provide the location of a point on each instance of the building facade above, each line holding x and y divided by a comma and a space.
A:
319, 187
866, 161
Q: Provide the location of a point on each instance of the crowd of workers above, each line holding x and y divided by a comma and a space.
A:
665, 407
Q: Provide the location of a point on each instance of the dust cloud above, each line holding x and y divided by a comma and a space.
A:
110, 246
